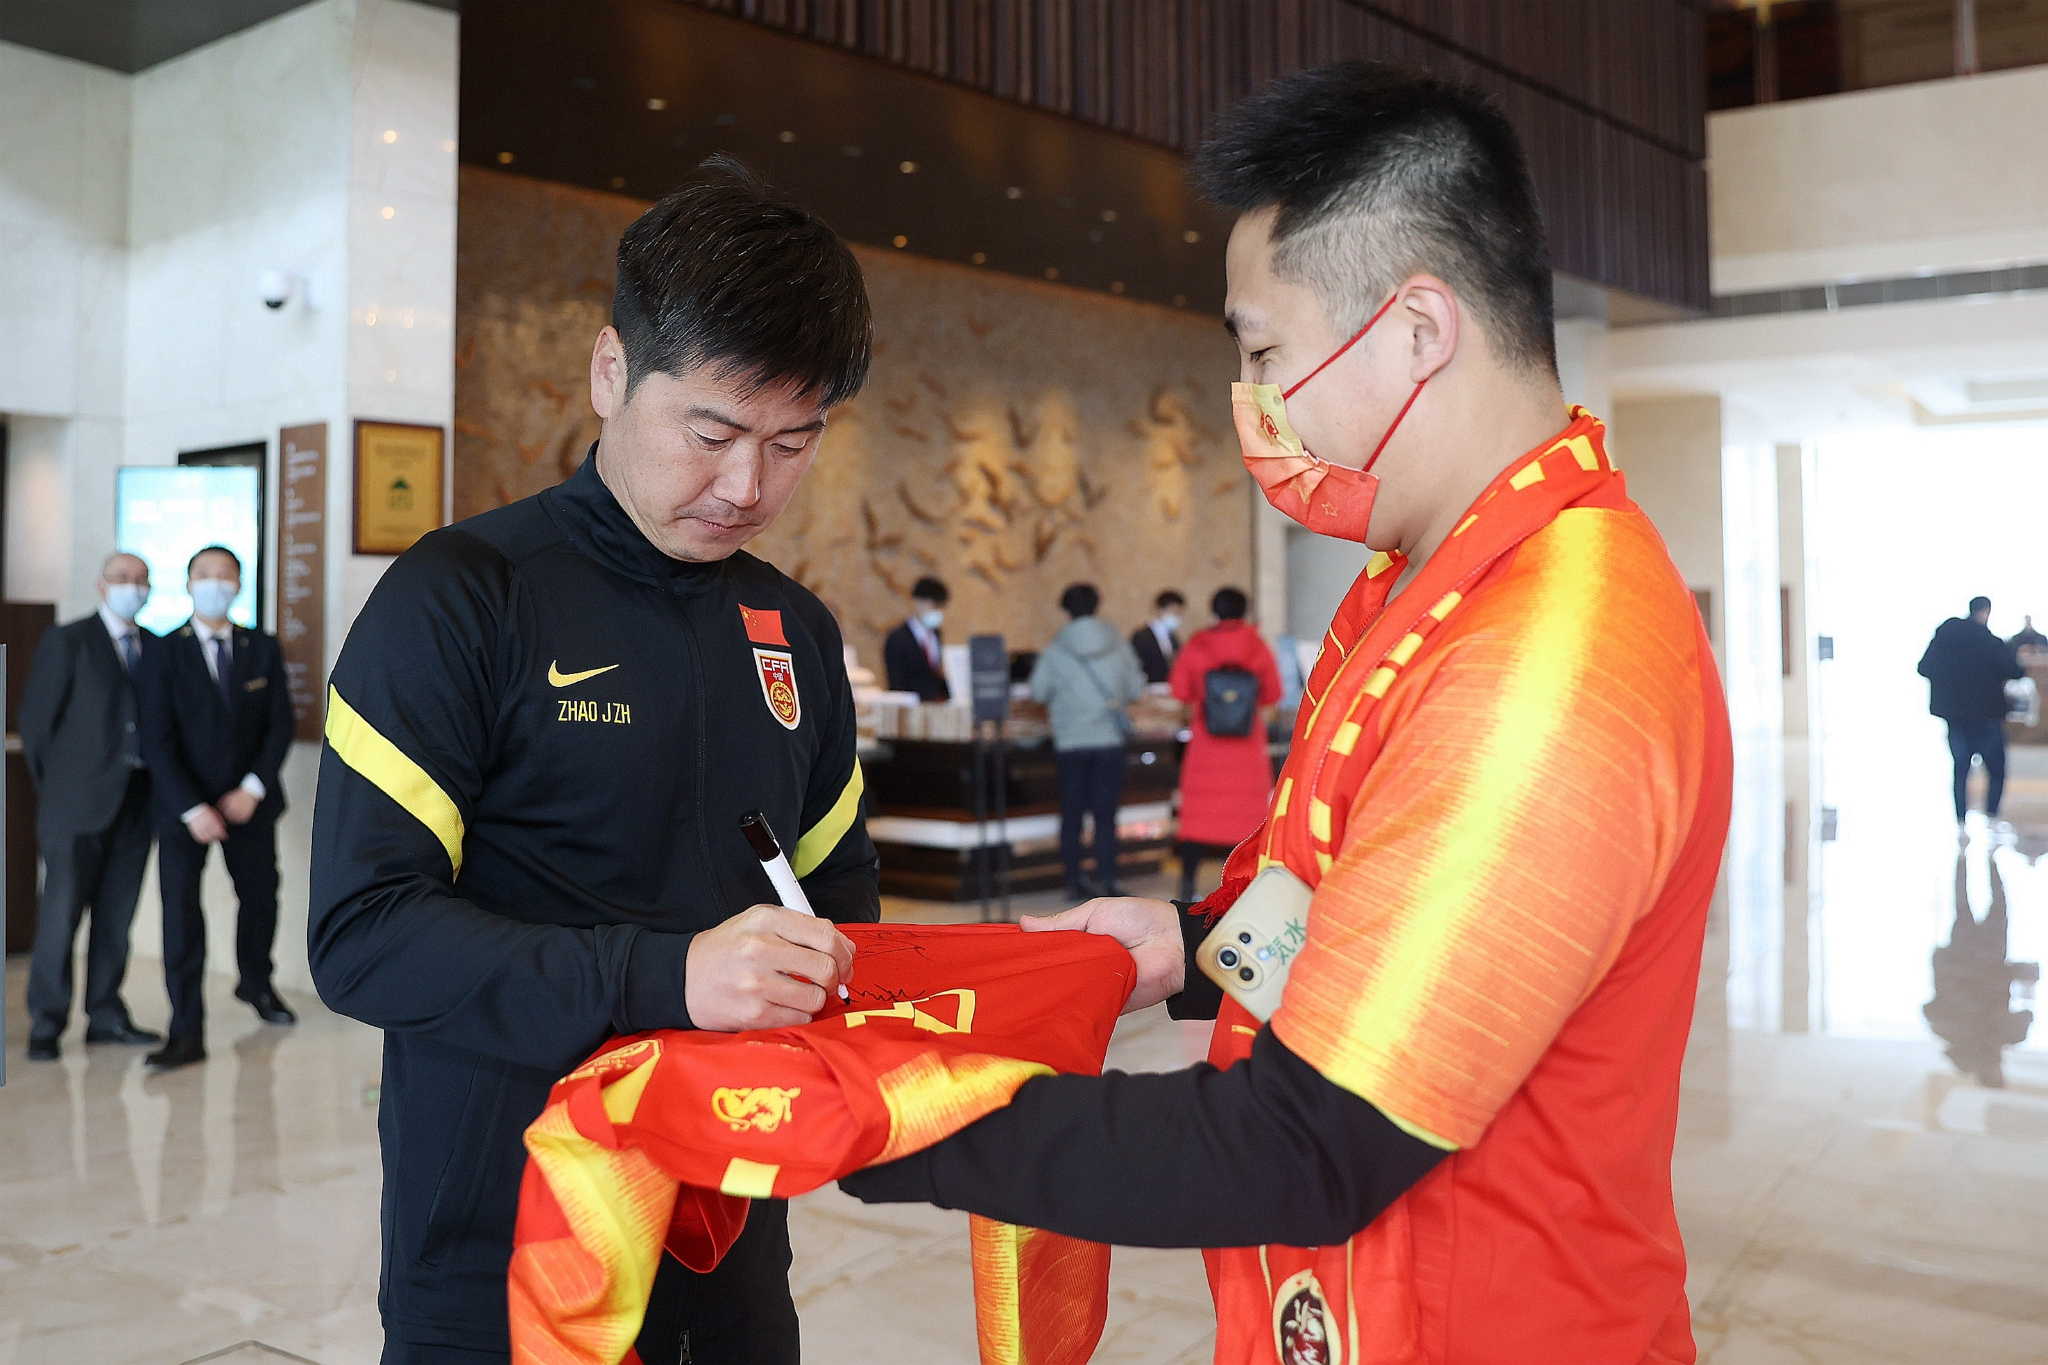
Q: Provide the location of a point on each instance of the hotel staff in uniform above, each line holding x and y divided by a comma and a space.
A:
913, 655
541, 736
216, 726
84, 756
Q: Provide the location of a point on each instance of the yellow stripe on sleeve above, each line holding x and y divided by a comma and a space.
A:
356, 742
749, 1179
820, 839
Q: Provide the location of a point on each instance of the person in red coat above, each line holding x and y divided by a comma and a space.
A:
1225, 780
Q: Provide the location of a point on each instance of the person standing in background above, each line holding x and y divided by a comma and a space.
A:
1227, 677
1087, 677
216, 726
914, 655
78, 734
1156, 642
1967, 668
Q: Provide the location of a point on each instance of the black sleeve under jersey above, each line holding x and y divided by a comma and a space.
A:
1199, 998
1265, 1152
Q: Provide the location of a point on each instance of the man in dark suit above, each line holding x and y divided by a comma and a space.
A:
1158, 641
78, 733
1967, 668
913, 655
216, 726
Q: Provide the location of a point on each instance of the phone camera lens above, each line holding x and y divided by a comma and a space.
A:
1247, 974
1228, 957
1243, 937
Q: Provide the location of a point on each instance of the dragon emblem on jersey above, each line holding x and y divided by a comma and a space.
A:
763, 1108
1302, 1331
778, 686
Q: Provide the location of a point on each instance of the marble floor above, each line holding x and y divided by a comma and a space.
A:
1849, 1193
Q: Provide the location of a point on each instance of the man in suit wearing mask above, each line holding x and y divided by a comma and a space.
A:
78, 733
216, 726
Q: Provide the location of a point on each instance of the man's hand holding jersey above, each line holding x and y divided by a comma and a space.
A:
1149, 930
766, 967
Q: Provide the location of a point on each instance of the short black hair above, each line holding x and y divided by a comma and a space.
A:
213, 550
726, 272
929, 589
1169, 598
1080, 600
1380, 172
1978, 604
1229, 604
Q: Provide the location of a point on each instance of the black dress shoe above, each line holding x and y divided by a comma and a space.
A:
178, 1052
42, 1049
268, 1007
123, 1033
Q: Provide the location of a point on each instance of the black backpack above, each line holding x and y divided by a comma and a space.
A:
1230, 701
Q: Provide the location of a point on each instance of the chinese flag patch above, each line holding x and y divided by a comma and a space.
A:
764, 627
778, 686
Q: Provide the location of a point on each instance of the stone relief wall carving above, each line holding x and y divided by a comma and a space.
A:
1013, 438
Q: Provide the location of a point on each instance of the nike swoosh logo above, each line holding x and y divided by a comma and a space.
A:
561, 679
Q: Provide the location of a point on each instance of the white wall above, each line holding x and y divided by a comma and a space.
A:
1752, 673
1582, 364
1935, 176
64, 132
401, 269
135, 214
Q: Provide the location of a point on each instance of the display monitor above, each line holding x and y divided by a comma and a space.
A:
166, 514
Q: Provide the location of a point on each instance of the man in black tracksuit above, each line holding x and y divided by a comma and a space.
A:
541, 736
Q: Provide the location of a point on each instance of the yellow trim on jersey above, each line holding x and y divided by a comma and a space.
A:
356, 742
819, 841
1419, 1133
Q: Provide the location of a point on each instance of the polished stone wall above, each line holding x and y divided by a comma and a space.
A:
1013, 438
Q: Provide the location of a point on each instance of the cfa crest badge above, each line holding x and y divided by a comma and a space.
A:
762, 1108
1302, 1331
778, 686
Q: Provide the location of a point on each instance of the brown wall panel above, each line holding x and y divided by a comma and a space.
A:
1608, 94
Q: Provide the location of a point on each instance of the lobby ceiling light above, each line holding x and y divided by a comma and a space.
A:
979, 258
389, 213
448, 144
657, 104
1109, 215
1013, 193
504, 158
785, 136
899, 241
1191, 236
907, 167
1052, 272
390, 136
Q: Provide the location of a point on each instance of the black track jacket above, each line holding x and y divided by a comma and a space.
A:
541, 735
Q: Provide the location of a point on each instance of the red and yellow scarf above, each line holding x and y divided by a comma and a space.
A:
661, 1138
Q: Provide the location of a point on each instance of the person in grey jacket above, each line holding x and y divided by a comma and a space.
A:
1087, 678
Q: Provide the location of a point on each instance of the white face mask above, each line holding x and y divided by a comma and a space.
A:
125, 599
211, 597
931, 618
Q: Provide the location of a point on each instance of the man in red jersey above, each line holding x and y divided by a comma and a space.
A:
1507, 793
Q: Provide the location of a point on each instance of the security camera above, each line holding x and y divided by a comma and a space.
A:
275, 287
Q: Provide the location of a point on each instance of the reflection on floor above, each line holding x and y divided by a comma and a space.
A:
1848, 1193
